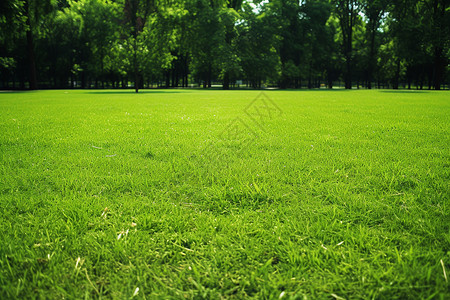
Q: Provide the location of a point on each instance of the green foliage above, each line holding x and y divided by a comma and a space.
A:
11, 18
257, 46
285, 43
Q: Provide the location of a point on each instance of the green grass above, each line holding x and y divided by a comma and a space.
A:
344, 194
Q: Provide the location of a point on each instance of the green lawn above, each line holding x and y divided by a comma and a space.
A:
212, 194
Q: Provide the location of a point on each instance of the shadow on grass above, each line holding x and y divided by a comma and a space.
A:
406, 91
300, 90
350, 90
100, 92
16, 91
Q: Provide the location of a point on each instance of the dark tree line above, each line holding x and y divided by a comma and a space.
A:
283, 43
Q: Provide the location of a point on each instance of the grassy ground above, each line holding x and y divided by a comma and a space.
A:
212, 194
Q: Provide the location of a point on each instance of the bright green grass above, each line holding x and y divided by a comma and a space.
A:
346, 194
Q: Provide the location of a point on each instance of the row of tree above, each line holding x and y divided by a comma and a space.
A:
284, 43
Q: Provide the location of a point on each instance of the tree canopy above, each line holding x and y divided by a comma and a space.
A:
279, 43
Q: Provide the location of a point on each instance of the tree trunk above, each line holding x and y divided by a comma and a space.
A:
226, 81
348, 73
347, 19
438, 68
373, 30
209, 76
397, 76
83, 80
102, 75
439, 9
136, 74
30, 49
167, 79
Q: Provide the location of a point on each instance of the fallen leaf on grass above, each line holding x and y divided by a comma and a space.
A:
104, 213
42, 260
443, 270
337, 297
79, 263
122, 233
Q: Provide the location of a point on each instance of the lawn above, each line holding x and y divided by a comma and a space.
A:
225, 194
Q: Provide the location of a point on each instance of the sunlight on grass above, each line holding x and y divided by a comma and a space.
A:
163, 194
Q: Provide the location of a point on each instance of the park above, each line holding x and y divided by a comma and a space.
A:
200, 149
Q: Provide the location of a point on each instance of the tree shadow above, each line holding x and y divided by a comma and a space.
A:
98, 92
16, 91
306, 90
406, 92
129, 92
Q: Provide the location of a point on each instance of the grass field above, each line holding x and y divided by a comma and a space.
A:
213, 194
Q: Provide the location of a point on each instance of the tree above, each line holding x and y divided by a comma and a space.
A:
11, 19
23, 18
347, 12
373, 11
206, 38
317, 42
229, 18
285, 18
333, 60
406, 41
99, 30
136, 14
438, 20
101, 43
160, 41
257, 46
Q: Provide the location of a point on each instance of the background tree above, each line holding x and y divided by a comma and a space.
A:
347, 13
317, 41
437, 22
206, 37
285, 15
230, 65
11, 19
136, 13
257, 44
373, 11
284, 43
24, 18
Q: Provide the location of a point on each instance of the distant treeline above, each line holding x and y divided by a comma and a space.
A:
282, 43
